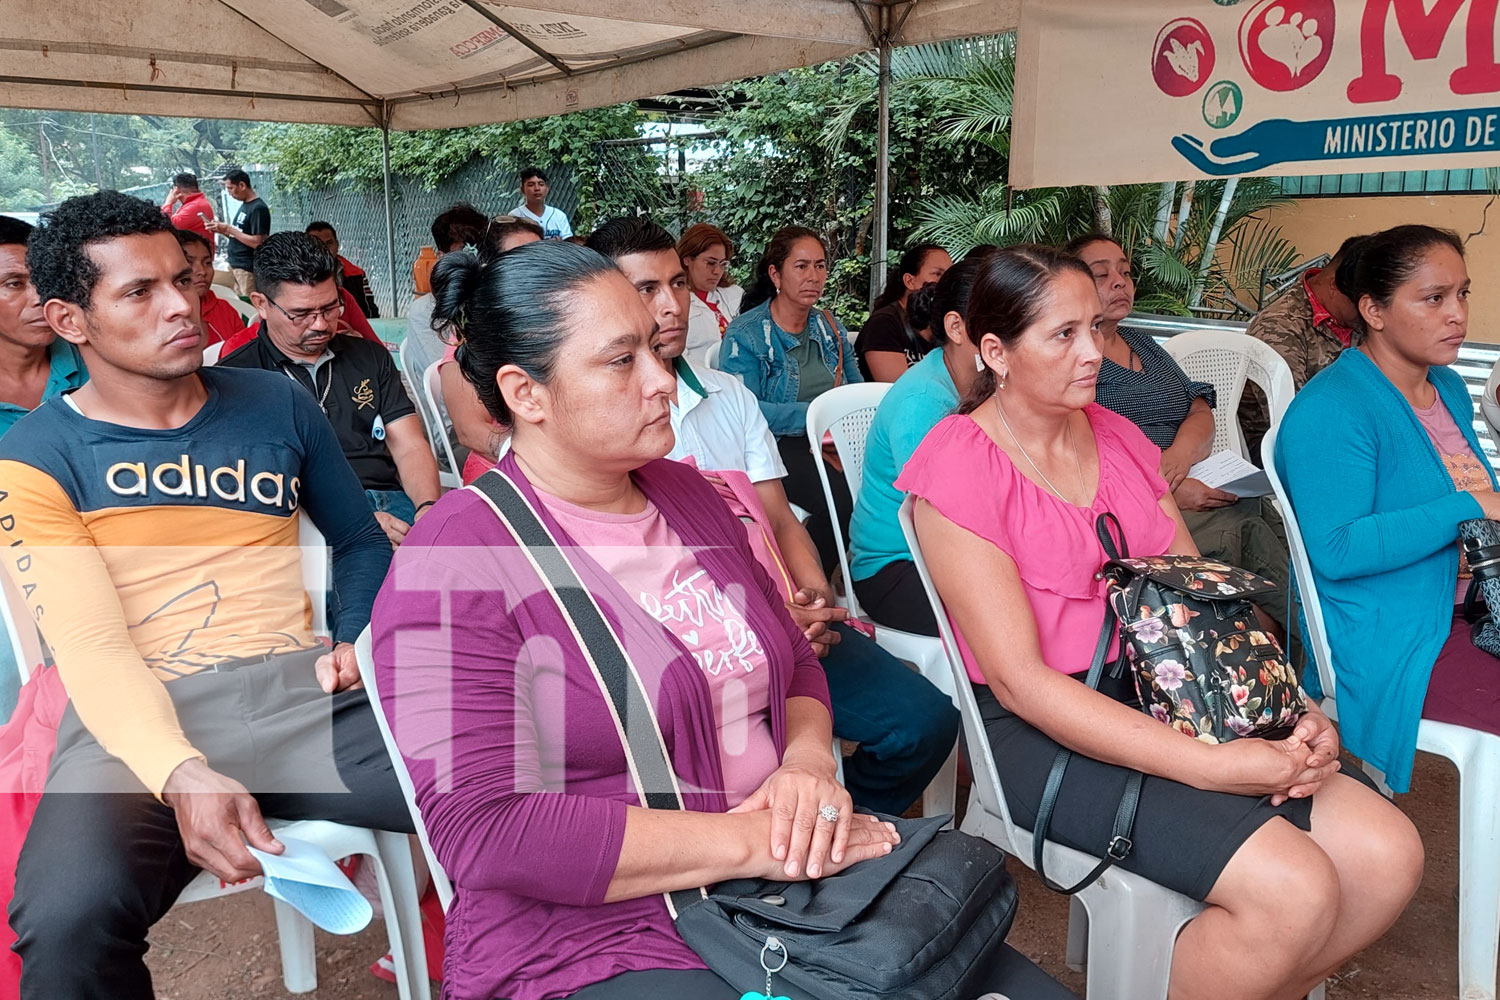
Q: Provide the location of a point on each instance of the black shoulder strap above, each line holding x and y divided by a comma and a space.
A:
1120, 844
1107, 526
617, 677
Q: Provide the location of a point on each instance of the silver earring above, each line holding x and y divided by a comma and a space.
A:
978, 363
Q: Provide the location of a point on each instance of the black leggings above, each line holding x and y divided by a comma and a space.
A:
804, 489
894, 597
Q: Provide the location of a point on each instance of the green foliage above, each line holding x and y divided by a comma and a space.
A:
313, 156
132, 151
969, 87
20, 174
799, 148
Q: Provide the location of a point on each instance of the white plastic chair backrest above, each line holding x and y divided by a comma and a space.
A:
20, 630
845, 413
1307, 587
432, 389
1489, 406
211, 353
981, 758
711, 354
247, 312
1226, 359
364, 654
317, 571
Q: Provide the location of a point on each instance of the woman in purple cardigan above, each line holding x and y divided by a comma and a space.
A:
519, 772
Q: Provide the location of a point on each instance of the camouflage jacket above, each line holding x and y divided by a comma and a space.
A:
1287, 325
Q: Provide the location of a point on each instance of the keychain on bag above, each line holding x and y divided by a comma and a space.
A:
774, 945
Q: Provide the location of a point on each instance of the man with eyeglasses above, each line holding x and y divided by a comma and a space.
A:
354, 381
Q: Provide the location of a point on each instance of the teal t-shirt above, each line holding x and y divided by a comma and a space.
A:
921, 397
66, 373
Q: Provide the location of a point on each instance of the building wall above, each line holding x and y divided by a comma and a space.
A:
1319, 225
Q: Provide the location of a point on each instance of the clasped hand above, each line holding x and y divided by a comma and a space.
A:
803, 844
1291, 768
815, 614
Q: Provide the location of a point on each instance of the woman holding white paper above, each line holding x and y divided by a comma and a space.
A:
1141, 381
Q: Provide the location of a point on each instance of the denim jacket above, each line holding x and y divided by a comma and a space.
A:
756, 350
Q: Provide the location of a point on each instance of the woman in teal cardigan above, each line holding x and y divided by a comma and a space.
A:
1380, 460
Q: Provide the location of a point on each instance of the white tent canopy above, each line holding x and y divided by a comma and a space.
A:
423, 64
418, 64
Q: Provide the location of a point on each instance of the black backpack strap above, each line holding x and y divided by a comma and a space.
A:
1120, 844
1107, 526
630, 707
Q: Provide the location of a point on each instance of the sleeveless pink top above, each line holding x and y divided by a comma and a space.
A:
970, 481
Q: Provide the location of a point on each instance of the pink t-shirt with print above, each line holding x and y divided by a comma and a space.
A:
1464, 468
649, 561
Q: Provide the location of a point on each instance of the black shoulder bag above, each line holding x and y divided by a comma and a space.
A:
926, 922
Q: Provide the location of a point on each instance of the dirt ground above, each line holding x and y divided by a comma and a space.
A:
227, 948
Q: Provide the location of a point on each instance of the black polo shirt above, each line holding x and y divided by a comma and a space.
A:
361, 392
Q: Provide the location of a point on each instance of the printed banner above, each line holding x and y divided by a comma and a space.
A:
1154, 90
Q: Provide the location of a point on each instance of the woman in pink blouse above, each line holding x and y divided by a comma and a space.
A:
1300, 866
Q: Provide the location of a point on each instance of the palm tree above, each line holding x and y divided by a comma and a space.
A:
1206, 262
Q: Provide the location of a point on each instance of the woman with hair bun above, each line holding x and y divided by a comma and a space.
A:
1297, 863
1381, 463
515, 758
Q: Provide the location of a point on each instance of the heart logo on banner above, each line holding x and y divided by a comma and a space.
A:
1285, 44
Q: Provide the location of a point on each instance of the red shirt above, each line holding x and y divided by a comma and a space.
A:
186, 217
1321, 316
355, 317
221, 321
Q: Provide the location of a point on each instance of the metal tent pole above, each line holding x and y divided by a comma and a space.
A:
390, 218
882, 161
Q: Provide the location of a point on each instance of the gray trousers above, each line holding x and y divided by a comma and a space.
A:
103, 860
1250, 535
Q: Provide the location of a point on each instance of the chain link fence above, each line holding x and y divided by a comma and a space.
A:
625, 177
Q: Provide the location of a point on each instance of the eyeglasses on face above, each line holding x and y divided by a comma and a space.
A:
305, 317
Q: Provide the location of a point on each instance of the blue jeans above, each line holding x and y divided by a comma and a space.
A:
393, 502
904, 726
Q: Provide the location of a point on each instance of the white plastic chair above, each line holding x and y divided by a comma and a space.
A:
364, 653
846, 412
1476, 755
1489, 405
247, 312
1226, 359
433, 423
387, 852
211, 353
1122, 928
711, 354
431, 390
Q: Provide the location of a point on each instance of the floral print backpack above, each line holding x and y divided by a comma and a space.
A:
1201, 663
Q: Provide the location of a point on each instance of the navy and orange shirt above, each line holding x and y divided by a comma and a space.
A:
147, 555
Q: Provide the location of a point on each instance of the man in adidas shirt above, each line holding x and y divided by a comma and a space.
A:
151, 520
553, 220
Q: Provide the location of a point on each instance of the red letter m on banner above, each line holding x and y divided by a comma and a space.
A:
1424, 34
